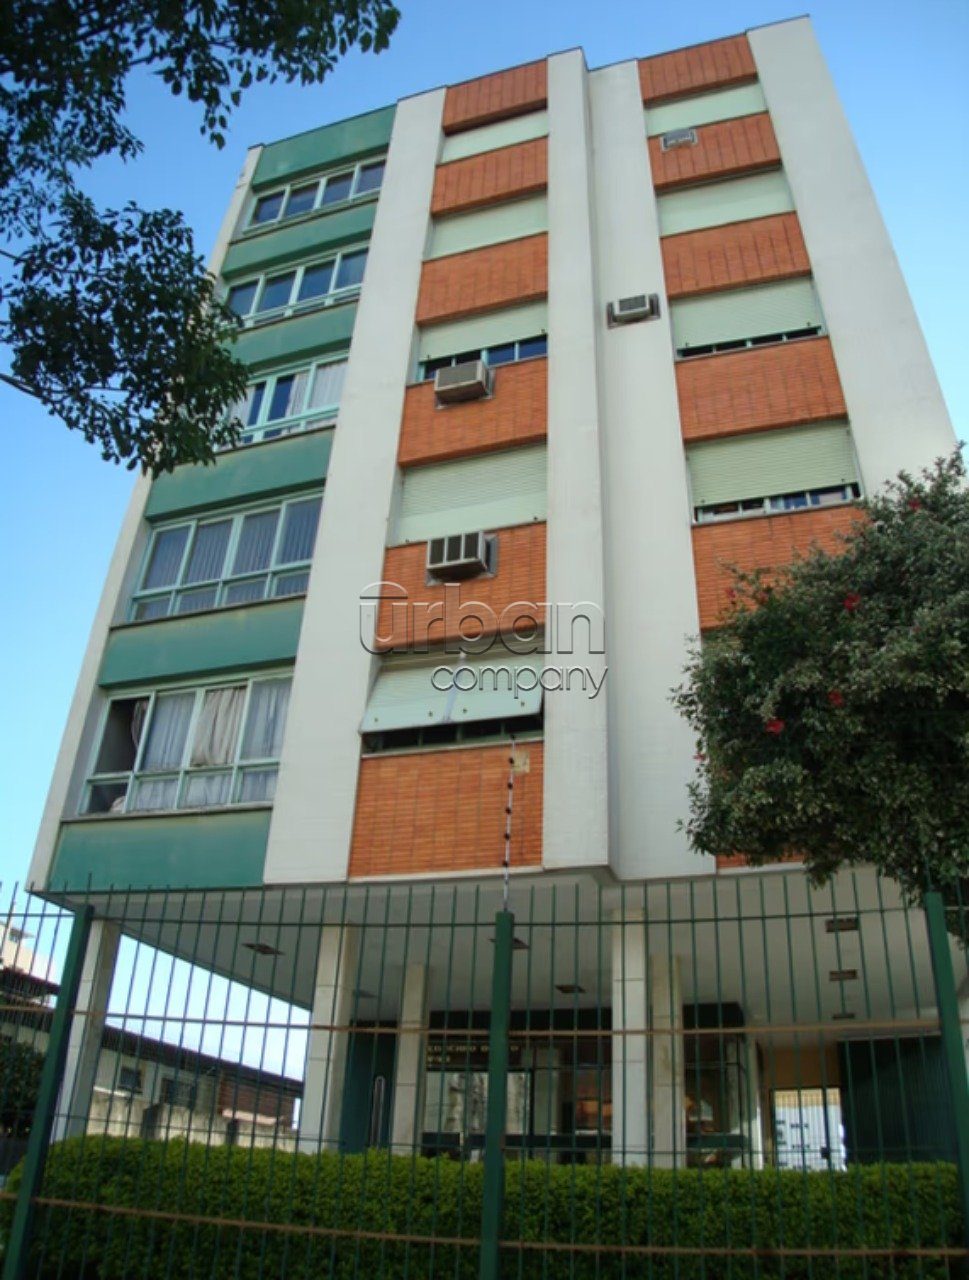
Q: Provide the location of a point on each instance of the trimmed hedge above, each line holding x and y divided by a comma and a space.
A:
875, 1206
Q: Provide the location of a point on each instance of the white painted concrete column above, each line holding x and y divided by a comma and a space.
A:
630, 1020
326, 1056
408, 1101
576, 812
898, 417
87, 1029
753, 1104
650, 585
666, 1064
312, 821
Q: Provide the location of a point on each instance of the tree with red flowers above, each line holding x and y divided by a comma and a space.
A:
832, 708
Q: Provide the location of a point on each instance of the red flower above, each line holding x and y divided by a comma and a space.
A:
836, 697
915, 504
775, 727
851, 601
699, 756
731, 594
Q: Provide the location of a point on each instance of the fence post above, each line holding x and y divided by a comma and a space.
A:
35, 1159
493, 1194
952, 1047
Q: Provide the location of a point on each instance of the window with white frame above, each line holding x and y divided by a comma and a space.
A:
278, 294
501, 353
190, 748
261, 553
309, 195
280, 404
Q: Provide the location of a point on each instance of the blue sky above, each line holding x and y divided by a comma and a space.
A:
900, 70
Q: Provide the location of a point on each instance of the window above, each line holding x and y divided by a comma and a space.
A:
298, 289
489, 137
789, 469
260, 554
705, 108
196, 748
735, 319
281, 404
510, 220
504, 353
717, 203
443, 735
178, 1093
310, 195
129, 1079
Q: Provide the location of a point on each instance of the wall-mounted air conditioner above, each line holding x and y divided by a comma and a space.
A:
468, 381
641, 306
460, 555
677, 138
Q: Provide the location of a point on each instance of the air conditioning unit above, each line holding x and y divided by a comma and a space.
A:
641, 306
677, 138
460, 555
468, 381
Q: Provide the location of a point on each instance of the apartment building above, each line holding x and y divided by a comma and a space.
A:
535, 358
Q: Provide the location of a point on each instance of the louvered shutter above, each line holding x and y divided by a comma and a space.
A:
489, 330
511, 220
492, 491
490, 137
717, 203
784, 307
771, 463
705, 108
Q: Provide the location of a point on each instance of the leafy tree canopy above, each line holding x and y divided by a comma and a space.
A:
832, 708
20, 1069
110, 316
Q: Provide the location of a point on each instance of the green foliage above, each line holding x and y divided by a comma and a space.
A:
110, 315
877, 1206
832, 709
20, 1068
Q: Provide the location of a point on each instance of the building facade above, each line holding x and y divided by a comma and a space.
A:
534, 358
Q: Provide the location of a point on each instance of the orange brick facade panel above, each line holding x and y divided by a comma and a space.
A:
496, 97
444, 811
704, 66
429, 613
722, 149
778, 386
759, 543
516, 413
499, 275
748, 252
495, 175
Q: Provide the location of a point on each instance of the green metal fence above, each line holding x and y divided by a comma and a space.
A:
729, 1076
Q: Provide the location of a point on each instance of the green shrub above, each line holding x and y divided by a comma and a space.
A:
875, 1206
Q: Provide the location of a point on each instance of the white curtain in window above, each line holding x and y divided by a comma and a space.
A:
263, 737
154, 793
327, 385
208, 552
167, 731
258, 785
296, 393
217, 731
256, 540
204, 790
299, 531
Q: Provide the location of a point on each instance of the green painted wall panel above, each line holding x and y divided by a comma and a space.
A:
258, 471
705, 108
511, 220
717, 203
745, 313
295, 241
239, 639
771, 462
179, 851
488, 330
489, 137
332, 144
319, 332
492, 491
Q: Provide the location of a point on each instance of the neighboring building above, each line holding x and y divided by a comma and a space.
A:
617, 328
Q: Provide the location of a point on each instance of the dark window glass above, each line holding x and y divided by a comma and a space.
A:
351, 269
241, 297
316, 281
532, 347
255, 404
301, 200
371, 176
430, 367
279, 402
276, 291
501, 355
338, 188
267, 208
